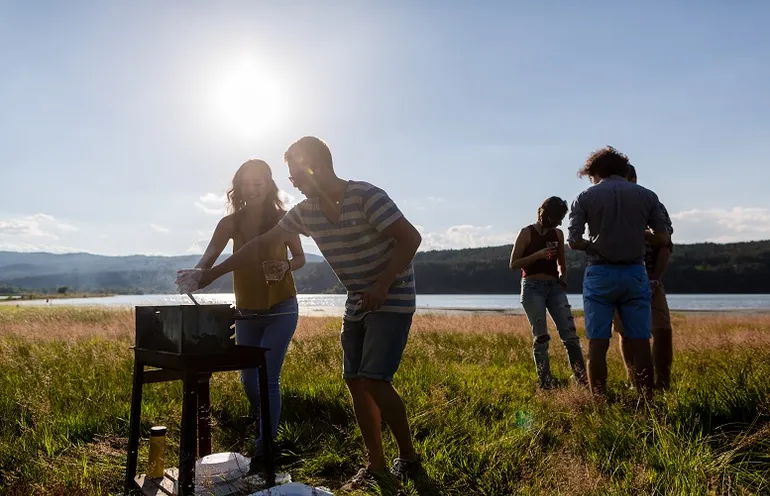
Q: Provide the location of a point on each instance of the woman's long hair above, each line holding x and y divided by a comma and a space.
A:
272, 204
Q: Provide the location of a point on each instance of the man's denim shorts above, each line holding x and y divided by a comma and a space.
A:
372, 347
622, 287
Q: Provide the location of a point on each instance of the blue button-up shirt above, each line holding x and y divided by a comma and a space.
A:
617, 212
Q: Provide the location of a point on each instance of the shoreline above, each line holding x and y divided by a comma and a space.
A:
333, 311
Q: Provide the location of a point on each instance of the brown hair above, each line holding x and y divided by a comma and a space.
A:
273, 205
310, 149
551, 211
604, 163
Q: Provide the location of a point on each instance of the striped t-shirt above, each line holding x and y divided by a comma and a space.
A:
355, 246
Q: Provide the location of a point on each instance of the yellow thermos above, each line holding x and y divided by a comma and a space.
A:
157, 447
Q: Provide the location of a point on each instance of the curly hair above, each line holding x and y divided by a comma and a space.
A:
552, 212
605, 162
235, 200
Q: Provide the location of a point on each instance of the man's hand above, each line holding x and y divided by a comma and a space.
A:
373, 298
191, 280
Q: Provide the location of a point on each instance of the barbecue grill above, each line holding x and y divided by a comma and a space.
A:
189, 343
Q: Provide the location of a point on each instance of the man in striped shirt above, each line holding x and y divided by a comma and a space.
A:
370, 245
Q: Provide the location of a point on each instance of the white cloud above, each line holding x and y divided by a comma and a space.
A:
158, 228
212, 204
720, 225
37, 232
24, 228
463, 236
34, 226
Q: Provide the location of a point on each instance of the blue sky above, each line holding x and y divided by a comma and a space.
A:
122, 124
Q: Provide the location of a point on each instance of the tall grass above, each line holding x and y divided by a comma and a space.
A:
469, 387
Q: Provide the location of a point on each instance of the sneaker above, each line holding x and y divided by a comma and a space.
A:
405, 469
256, 465
363, 479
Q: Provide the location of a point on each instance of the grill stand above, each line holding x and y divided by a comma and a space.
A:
194, 370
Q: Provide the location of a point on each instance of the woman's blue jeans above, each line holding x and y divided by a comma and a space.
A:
273, 332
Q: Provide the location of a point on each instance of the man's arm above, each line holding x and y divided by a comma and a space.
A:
408, 240
577, 226
384, 215
658, 235
297, 252
247, 254
661, 264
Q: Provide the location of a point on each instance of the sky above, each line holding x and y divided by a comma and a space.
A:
122, 123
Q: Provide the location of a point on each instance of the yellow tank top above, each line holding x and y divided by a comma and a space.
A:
252, 292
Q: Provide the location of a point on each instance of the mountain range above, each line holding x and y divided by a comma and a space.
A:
694, 268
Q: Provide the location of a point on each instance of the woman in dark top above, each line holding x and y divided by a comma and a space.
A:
539, 253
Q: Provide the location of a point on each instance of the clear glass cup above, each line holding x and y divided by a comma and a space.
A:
274, 270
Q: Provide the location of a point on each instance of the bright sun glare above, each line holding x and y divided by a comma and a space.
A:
249, 99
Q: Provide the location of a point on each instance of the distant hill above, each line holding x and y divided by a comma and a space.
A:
695, 268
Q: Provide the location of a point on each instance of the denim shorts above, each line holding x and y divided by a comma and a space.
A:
373, 346
625, 288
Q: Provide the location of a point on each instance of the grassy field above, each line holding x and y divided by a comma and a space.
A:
469, 386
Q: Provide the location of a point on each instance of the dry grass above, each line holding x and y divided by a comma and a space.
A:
696, 331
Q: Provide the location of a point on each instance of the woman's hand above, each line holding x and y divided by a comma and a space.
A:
191, 280
543, 254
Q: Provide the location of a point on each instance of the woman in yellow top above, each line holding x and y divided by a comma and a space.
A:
254, 208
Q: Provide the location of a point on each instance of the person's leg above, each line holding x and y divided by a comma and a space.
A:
599, 294
386, 337
625, 354
277, 335
366, 410
635, 313
662, 338
534, 295
251, 333
561, 314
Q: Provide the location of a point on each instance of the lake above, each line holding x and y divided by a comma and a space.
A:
333, 304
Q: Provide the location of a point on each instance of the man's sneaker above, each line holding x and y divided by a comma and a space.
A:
363, 479
406, 469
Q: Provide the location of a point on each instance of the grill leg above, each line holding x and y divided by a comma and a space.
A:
204, 419
133, 435
188, 441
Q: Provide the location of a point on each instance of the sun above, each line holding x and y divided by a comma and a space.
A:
248, 99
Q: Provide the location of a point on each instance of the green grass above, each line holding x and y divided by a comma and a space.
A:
468, 384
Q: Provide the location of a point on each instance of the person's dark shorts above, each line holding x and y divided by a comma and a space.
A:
373, 346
